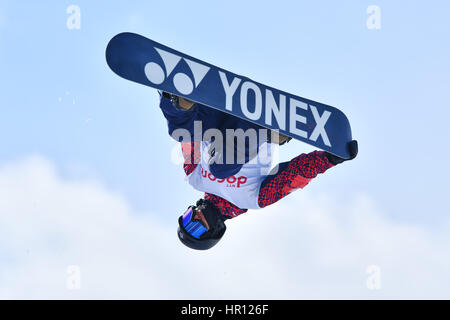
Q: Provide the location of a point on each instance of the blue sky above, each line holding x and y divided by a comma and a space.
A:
59, 100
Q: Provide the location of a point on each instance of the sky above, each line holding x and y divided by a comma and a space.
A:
87, 181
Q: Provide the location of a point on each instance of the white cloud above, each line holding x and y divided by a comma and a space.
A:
306, 246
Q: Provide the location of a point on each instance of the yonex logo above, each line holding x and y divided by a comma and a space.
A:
182, 82
256, 102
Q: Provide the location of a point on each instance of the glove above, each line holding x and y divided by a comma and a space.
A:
352, 148
176, 101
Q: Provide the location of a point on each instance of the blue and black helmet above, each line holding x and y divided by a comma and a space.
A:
201, 226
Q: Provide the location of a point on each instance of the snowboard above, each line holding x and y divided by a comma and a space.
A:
142, 60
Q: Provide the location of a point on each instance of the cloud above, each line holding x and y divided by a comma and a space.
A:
306, 246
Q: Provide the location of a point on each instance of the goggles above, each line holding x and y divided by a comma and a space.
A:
194, 227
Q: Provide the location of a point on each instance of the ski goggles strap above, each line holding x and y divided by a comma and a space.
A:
194, 228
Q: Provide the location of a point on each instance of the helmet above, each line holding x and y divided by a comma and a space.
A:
201, 226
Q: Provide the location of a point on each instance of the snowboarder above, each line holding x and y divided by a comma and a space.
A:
234, 187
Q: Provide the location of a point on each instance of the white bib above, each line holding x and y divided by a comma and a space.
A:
242, 189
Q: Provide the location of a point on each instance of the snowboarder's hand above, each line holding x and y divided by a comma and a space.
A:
179, 102
277, 138
352, 148
185, 104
